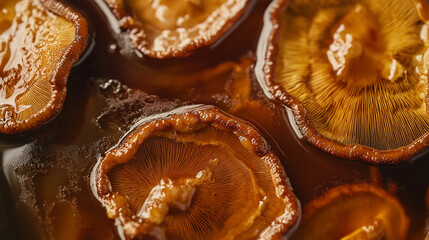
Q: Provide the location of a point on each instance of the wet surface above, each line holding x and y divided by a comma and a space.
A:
45, 191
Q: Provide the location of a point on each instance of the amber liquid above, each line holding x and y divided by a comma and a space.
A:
45, 190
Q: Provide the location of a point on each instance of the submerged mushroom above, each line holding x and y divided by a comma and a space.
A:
360, 211
40, 40
195, 174
166, 29
355, 74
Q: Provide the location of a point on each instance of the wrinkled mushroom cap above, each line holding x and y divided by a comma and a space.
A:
360, 211
166, 29
40, 41
195, 174
354, 72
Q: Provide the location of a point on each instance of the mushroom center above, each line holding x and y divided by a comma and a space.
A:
171, 194
358, 53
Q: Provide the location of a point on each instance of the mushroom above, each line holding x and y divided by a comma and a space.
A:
195, 173
40, 40
169, 29
359, 211
354, 72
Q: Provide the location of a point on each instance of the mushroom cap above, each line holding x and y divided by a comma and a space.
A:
195, 173
359, 211
353, 72
40, 41
170, 29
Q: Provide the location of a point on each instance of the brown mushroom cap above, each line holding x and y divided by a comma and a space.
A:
167, 29
196, 174
355, 74
40, 40
360, 211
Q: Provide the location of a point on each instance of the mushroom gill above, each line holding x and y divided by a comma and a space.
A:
166, 29
359, 211
40, 41
195, 174
357, 69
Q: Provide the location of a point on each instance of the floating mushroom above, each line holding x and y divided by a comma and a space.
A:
40, 40
360, 211
354, 72
195, 174
166, 29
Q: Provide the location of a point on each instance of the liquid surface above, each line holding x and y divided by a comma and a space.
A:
45, 189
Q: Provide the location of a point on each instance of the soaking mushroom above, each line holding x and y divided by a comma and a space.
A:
165, 29
195, 173
40, 40
354, 73
359, 211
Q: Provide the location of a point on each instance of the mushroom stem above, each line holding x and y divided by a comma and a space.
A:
171, 194
358, 53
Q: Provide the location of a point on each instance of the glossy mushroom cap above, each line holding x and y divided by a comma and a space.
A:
166, 29
196, 174
355, 73
40, 40
360, 211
